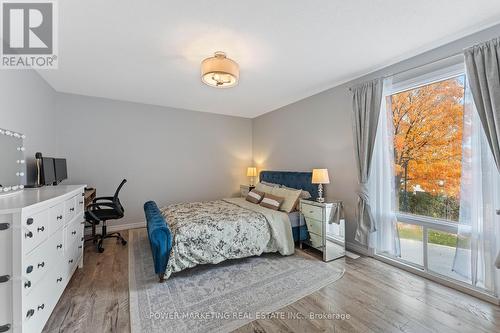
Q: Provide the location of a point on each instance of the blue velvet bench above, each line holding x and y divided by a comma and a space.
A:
160, 238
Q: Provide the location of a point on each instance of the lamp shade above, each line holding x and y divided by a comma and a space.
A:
320, 176
252, 172
220, 71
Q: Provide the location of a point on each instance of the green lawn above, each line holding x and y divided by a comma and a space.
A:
435, 237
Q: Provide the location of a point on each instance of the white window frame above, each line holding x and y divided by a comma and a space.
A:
412, 82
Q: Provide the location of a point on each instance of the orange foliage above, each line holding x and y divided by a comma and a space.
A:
428, 124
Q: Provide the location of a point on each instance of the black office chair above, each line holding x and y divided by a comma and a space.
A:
103, 209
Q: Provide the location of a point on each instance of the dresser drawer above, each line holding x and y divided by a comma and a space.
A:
311, 211
72, 236
5, 302
57, 217
35, 230
314, 226
5, 246
57, 245
80, 203
38, 305
70, 209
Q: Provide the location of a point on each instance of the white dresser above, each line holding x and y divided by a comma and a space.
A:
41, 245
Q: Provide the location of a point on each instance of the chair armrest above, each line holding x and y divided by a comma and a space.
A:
160, 237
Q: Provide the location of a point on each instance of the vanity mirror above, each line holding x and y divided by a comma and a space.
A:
12, 163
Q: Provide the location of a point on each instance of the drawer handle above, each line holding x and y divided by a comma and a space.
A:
30, 313
29, 269
27, 284
311, 211
82, 239
29, 234
80, 202
42, 264
59, 246
41, 307
40, 229
70, 261
72, 209
4, 226
73, 232
80, 247
4, 278
59, 217
4, 328
59, 280
29, 221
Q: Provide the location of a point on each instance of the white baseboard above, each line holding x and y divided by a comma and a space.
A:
119, 227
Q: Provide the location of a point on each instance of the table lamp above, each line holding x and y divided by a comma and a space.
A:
251, 172
320, 177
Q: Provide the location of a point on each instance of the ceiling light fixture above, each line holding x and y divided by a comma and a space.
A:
219, 71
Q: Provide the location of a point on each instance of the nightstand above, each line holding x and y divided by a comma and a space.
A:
244, 189
326, 226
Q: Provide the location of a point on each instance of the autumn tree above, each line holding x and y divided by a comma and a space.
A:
428, 124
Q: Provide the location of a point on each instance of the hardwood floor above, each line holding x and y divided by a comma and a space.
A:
377, 298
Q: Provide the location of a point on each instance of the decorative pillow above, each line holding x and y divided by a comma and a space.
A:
261, 187
270, 184
271, 201
291, 198
303, 194
254, 196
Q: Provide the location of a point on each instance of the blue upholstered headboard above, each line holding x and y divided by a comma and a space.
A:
298, 180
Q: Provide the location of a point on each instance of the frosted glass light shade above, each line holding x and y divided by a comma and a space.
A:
320, 176
219, 71
252, 172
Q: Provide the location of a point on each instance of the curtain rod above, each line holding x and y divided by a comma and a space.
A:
417, 66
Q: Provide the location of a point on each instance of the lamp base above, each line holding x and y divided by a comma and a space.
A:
320, 194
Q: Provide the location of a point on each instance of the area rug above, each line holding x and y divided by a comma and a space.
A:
218, 298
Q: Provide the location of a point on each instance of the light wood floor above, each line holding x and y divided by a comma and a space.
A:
378, 298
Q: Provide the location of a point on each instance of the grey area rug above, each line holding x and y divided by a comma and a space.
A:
218, 298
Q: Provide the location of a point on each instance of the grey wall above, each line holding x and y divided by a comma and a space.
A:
317, 131
168, 155
27, 106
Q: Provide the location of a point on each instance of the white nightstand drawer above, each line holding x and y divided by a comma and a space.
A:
311, 211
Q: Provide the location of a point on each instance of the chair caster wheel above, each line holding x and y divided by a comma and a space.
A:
100, 249
124, 242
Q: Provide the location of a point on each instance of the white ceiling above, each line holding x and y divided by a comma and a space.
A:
150, 51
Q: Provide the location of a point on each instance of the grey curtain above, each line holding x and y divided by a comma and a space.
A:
366, 103
482, 63
483, 72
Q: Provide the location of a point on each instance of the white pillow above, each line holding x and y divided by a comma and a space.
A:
263, 188
291, 198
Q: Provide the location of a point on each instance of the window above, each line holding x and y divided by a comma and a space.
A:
430, 140
428, 123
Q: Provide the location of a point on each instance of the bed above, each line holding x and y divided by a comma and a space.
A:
189, 234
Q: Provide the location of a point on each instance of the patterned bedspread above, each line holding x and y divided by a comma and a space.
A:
214, 231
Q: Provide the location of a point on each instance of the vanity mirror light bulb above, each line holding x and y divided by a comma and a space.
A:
2, 131
21, 187
14, 188
23, 136
17, 135
9, 133
18, 174
23, 161
21, 174
21, 148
